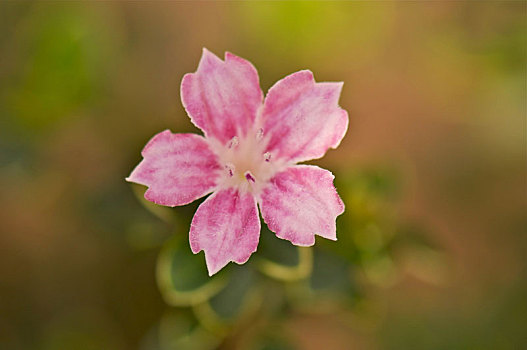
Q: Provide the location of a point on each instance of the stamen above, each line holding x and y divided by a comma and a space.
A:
267, 156
230, 168
233, 142
249, 176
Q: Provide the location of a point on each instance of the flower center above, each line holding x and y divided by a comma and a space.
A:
246, 164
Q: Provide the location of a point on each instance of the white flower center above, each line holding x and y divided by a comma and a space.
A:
246, 165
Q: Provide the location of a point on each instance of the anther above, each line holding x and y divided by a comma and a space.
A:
267, 156
230, 168
249, 177
233, 142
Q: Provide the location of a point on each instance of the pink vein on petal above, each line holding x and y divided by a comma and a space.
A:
177, 168
222, 97
301, 202
302, 118
227, 227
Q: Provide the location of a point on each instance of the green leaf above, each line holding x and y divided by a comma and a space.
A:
182, 276
235, 302
279, 259
330, 287
330, 273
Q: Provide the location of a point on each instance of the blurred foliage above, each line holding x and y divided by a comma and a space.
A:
182, 278
62, 61
325, 278
430, 250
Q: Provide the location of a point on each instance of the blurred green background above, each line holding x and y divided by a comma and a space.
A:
431, 250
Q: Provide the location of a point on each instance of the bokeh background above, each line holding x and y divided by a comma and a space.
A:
432, 170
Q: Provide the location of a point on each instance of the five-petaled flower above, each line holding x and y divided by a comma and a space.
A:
248, 157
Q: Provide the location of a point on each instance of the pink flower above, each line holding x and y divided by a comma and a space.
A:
248, 156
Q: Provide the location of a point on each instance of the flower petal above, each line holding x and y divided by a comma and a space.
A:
301, 202
302, 118
222, 98
227, 227
177, 168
